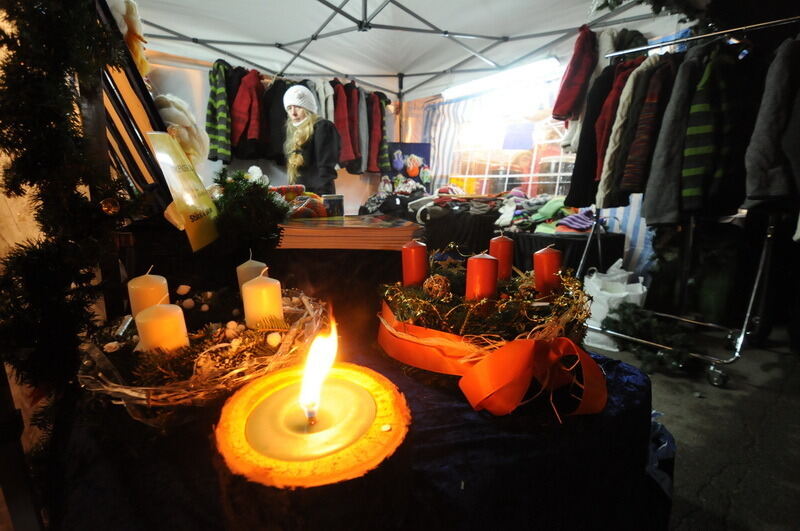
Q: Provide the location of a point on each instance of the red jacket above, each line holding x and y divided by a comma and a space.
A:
608, 113
351, 90
575, 82
340, 119
246, 109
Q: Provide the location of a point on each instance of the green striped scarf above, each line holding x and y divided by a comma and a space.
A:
708, 136
218, 119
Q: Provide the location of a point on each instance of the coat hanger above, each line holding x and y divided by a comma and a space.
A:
267, 80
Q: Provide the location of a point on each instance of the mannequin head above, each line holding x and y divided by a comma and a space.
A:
296, 113
298, 100
298, 133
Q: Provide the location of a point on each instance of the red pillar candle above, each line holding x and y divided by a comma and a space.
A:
546, 265
502, 248
481, 276
415, 263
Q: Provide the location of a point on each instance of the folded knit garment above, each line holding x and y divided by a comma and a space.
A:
581, 221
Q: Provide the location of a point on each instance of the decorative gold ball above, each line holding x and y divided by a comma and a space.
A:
110, 206
436, 286
527, 287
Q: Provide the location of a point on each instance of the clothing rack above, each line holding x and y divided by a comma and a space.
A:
715, 375
759, 26
298, 49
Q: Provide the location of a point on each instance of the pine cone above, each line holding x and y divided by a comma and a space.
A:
436, 286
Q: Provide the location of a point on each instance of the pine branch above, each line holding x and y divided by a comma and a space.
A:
45, 288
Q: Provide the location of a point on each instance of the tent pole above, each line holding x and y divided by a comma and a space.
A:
313, 37
247, 43
183, 37
595, 24
455, 71
449, 70
378, 10
214, 48
564, 36
442, 33
336, 72
751, 27
570, 34
364, 25
317, 74
320, 36
477, 70
339, 10
446, 34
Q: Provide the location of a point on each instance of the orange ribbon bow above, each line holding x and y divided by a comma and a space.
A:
499, 380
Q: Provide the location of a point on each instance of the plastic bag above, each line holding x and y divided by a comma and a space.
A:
609, 290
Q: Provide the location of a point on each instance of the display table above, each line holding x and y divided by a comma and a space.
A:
457, 469
604, 250
370, 232
472, 233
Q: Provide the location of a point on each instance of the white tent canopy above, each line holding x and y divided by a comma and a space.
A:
434, 44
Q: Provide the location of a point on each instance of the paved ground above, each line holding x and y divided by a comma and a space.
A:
738, 461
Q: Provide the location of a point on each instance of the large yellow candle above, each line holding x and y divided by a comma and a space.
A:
262, 300
162, 327
249, 270
147, 290
264, 434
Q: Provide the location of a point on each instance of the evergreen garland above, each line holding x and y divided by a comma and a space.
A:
46, 286
249, 214
517, 311
634, 321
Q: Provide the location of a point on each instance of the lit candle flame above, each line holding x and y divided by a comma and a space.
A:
318, 364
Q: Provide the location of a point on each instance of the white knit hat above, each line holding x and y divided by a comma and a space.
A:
300, 96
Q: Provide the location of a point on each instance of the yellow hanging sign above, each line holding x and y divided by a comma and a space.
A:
191, 199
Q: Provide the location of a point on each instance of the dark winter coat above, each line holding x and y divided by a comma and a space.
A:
320, 156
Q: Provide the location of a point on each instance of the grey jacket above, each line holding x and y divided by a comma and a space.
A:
769, 175
661, 204
363, 128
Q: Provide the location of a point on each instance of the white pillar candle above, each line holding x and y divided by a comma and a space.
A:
248, 271
262, 299
162, 327
147, 290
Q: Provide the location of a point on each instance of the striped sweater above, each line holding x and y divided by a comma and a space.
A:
218, 121
707, 145
640, 152
383, 150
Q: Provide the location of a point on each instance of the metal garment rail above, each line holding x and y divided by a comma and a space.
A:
759, 26
715, 375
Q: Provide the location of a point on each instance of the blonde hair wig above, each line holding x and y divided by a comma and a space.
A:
296, 137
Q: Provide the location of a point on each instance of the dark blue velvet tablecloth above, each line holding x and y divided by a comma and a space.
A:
457, 469
472, 470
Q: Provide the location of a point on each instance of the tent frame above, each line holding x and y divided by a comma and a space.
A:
365, 23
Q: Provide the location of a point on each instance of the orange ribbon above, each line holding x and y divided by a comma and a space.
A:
499, 381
